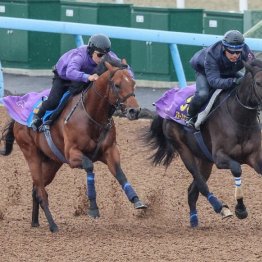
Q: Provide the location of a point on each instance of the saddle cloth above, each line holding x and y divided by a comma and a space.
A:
20, 108
175, 102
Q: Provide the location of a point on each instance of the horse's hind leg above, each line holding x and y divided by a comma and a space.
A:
93, 210
35, 210
193, 167
193, 194
40, 196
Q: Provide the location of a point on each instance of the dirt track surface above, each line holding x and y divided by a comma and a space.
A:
162, 233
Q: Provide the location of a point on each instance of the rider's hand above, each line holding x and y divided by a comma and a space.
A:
93, 77
238, 80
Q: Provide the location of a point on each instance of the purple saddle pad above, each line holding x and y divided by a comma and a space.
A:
19, 108
174, 103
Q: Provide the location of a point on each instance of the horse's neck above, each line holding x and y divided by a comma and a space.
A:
240, 106
96, 101
244, 92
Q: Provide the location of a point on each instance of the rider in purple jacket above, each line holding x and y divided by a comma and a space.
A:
217, 67
74, 68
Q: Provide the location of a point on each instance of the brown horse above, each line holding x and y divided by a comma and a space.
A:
88, 135
232, 137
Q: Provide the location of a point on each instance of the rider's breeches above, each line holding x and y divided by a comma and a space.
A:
58, 89
201, 95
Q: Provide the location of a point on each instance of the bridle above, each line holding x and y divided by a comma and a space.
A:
119, 101
116, 105
252, 91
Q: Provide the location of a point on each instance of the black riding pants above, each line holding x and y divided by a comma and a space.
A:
59, 87
201, 95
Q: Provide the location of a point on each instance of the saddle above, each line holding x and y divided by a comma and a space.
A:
51, 115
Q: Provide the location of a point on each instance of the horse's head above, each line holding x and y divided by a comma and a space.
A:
122, 89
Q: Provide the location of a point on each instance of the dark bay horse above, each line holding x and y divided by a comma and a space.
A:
88, 135
231, 133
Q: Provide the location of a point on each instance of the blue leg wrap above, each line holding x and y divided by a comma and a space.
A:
130, 192
91, 191
193, 219
216, 204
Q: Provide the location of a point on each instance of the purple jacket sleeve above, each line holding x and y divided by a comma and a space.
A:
73, 68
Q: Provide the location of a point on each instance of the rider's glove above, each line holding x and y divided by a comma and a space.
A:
237, 80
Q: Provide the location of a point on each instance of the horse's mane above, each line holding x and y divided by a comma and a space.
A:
114, 61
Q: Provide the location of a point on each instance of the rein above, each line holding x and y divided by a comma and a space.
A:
259, 98
104, 128
247, 107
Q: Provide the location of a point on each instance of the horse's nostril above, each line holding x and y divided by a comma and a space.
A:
133, 112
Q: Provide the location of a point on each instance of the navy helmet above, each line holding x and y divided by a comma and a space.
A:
233, 40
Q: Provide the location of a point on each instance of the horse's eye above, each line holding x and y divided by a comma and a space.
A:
259, 83
117, 86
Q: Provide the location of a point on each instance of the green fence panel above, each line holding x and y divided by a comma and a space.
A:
251, 18
96, 13
22, 49
153, 61
217, 23
188, 21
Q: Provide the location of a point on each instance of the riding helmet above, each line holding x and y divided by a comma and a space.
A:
100, 43
233, 40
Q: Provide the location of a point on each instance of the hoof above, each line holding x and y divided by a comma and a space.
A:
54, 228
225, 212
241, 213
35, 224
94, 213
194, 222
193, 219
140, 205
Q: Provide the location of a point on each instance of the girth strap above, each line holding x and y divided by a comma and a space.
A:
199, 138
51, 144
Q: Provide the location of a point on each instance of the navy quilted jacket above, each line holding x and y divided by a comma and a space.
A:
219, 70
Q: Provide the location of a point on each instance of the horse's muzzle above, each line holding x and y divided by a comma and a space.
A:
132, 113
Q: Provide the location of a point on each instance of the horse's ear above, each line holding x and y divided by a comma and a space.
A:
248, 67
108, 66
123, 61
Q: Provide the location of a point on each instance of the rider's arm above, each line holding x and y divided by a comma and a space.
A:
212, 72
73, 71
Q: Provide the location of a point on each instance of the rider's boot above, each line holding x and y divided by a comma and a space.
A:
37, 118
192, 114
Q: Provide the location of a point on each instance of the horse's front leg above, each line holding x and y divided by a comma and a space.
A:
93, 210
224, 162
113, 163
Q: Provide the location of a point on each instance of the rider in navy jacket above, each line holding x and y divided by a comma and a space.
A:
217, 67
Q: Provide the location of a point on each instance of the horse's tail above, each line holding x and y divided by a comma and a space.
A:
8, 137
155, 137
